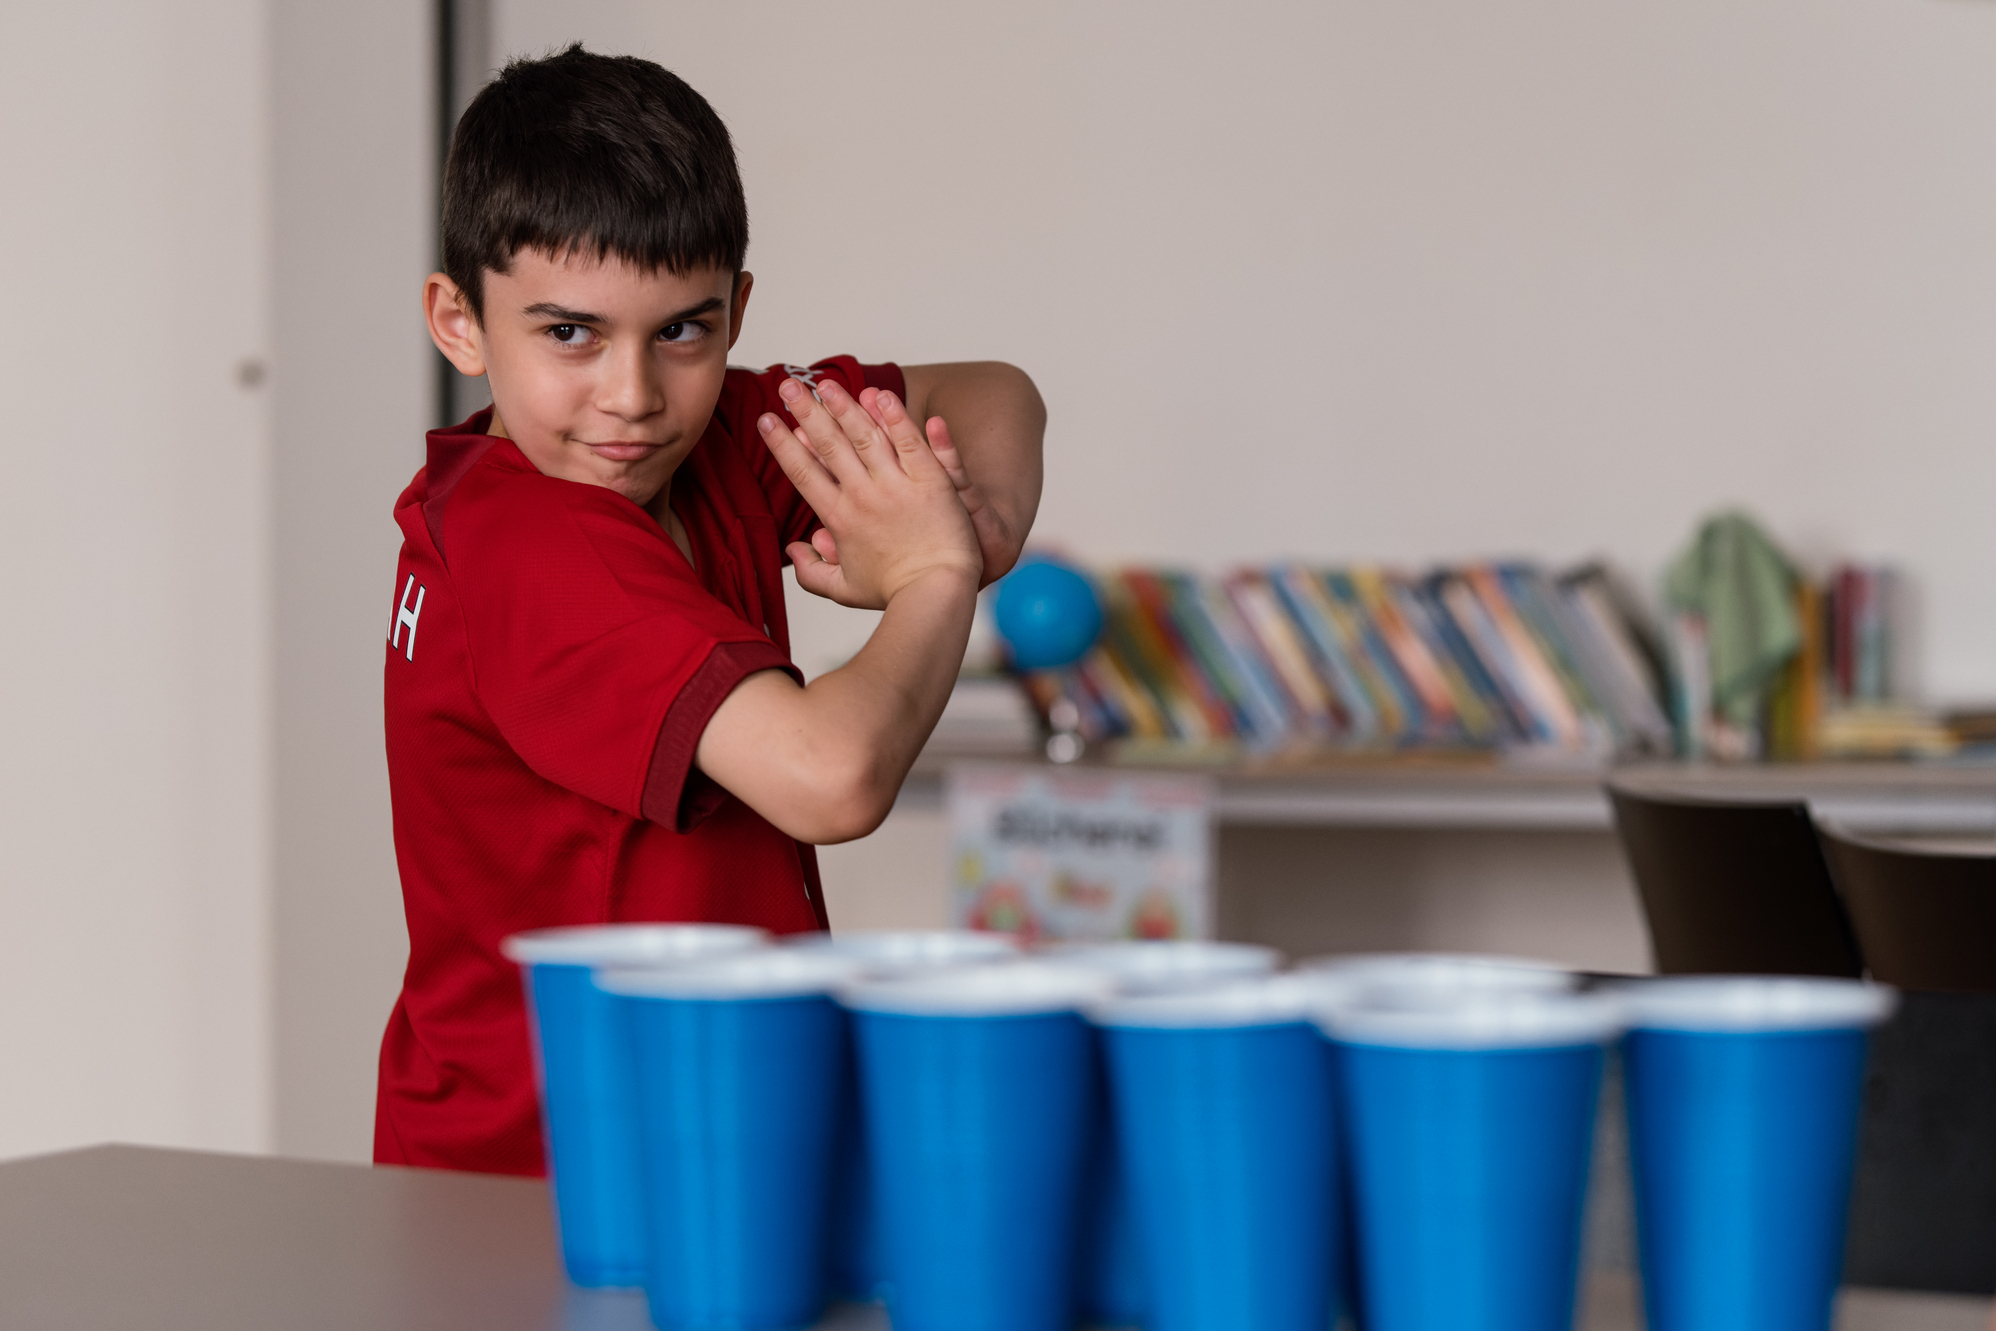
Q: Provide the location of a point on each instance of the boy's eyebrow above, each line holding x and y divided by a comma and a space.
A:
562, 314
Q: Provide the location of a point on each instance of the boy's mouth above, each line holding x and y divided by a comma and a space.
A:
623, 450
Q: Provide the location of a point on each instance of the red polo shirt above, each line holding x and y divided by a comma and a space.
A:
552, 661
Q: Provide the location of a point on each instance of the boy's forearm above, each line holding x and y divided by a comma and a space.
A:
998, 422
824, 763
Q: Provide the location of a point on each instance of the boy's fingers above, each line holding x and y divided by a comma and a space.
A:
861, 430
909, 445
814, 575
870, 399
826, 545
944, 448
823, 434
800, 462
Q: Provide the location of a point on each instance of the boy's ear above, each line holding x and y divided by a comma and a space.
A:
735, 307
452, 328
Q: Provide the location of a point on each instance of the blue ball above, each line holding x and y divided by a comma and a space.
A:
1047, 614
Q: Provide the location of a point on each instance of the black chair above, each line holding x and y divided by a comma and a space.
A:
1925, 918
1734, 888
1923, 1213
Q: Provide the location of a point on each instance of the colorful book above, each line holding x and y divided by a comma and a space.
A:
1541, 684
1478, 709
1281, 642
1145, 652
1441, 718
1304, 601
1622, 659
1489, 646
1510, 723
1212, 625
1533, 598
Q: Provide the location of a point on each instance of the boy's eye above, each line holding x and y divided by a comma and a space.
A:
681, 332
569, 335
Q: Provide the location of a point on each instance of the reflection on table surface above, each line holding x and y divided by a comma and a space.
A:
1612, 1303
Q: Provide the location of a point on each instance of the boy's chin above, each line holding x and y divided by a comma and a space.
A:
640, 491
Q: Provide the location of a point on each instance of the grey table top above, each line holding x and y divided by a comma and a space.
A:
119, 1237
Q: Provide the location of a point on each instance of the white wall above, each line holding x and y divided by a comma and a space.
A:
134, 612
1408, 281
355, 212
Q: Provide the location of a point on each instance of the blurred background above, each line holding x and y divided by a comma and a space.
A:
1332, 281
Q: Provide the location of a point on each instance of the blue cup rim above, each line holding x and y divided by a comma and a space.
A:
1444, 971
1754, 1004
1273, 1000
1471, 1020
1160, 965
1026, 987
767, 973
628, 944
892, 951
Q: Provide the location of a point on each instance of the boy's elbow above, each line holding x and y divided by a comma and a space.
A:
1019, 386
849, 800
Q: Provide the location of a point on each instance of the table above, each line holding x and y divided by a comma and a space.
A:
122, 1237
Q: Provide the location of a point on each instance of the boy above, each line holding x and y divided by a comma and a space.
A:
591, 711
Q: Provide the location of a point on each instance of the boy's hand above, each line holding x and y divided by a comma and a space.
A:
892, 513
997, 544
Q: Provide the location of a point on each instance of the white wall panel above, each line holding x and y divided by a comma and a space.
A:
135, 604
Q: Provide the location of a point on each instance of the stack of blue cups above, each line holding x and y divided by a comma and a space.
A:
1113, 1289
740, 1066
980, 1086
1744, 1100
1470, 1121
588, 1107
859, 1269
1225, 1123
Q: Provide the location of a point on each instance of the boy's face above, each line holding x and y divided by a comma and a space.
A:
600, 372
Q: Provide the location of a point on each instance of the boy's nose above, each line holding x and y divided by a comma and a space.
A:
631, 386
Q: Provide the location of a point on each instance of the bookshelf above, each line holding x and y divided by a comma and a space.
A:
1908, 798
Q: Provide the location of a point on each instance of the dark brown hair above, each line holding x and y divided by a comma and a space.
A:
591, 154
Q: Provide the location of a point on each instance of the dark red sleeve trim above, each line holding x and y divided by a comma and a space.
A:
886, 377
676, 795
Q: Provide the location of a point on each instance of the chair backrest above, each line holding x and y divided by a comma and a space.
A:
1925, 918
1740, 888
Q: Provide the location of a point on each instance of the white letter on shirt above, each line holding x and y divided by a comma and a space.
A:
405, 616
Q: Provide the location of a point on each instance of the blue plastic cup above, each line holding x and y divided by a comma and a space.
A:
1433, 973
740, 1067
1113, 1287
584, 1080
1226, 1130
1744, 1096
980, 1087
859, 1268
1471, 1123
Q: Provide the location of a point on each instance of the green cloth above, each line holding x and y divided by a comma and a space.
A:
1745, 589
